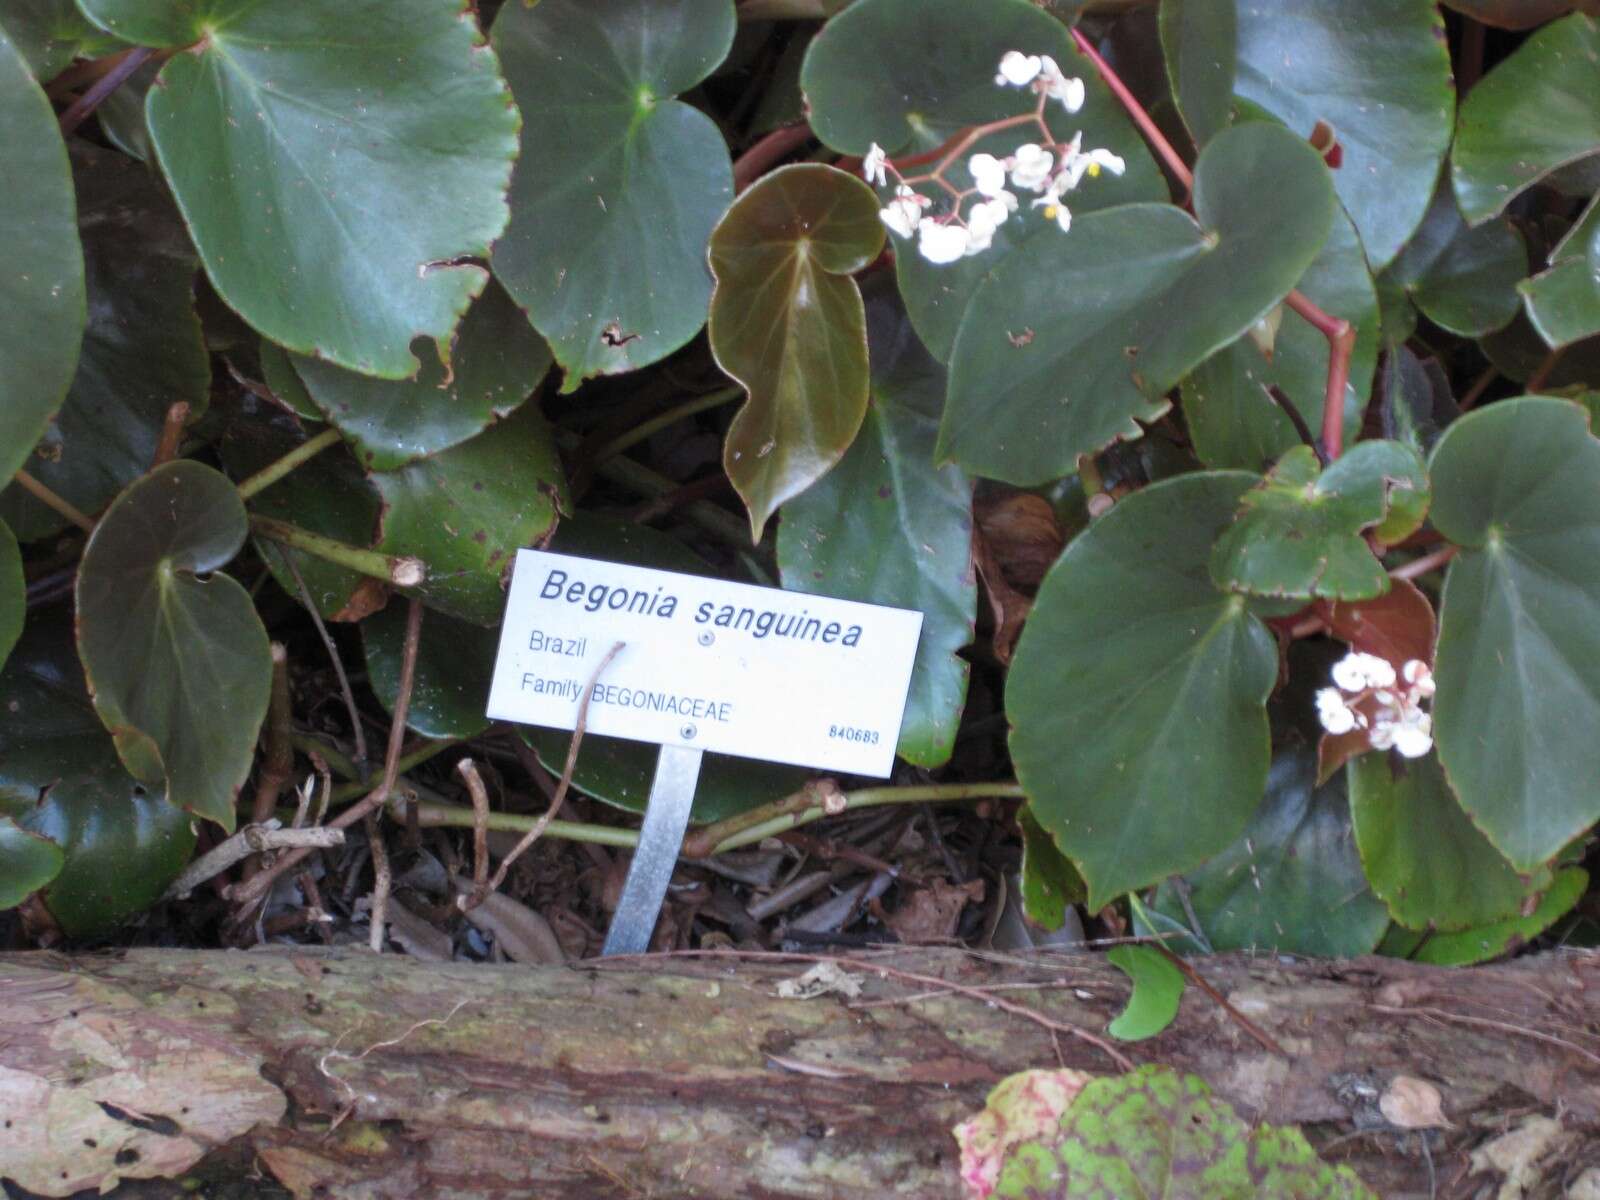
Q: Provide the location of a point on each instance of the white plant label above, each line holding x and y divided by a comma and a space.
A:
706, 664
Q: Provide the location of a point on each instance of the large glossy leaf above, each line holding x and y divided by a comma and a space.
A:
51, 33
120, 842
940, 82
1534, 113
307, 145
27, 861
1062, 348
1292, 883
1517, 486
1235, 424
495, 363
1564, 302
619, 184
13, 591
1137, 697
788, 323
1464, 280
327, 494
1299, 532
178, 664
1467, 946
1154, 1132
1199, 40
888, 527
41, 287
142, 350
1423, 856
1377, 72
466, 511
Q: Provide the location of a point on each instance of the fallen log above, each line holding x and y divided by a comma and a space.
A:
346, 1074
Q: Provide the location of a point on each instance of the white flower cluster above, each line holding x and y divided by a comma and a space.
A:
1370, 696
1049, 170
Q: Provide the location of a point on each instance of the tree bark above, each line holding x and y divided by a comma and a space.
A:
345, 1074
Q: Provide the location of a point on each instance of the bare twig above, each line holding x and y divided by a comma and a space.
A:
539, 826
1418, 567
356, 731
381, 879
278, 762
171, 434
251, 839
480, 825
246, 895
1264, 1039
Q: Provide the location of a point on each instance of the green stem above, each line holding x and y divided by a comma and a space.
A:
402, 572
274, 471
647, 429
455, 817
782, 818
347, 792
338, 762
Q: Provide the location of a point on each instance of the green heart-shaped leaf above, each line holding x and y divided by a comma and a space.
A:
455, 662
1235, 424
1464, 280
1200, 43
1564, 302
142, 350
495, 363
27, 862
619, 184
1517, 487
120, 843
1157, 990
466, 511
1465, 947
13, 591
1423, 856
1154, 1132
888, 527
1049, 881
1062, 348
41, 287
941, 82
1138, 692
305, 143
1534, 113
1292, 882
788, 323
178, 665
1298, 533
1378, 73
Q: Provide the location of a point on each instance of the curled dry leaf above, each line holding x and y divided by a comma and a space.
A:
1022, 533
931, 913
1412, 1103
1009, 606
823, 979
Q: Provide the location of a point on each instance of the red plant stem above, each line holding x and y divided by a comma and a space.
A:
1340, 334
85, 104
767, 152
1421, 566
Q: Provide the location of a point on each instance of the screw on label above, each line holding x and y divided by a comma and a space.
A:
687, 733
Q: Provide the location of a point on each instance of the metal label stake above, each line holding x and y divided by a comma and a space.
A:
666, 818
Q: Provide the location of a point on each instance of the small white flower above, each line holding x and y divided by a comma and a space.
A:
1419, 676
988, 174
1336, 716
1030, 166
1356, 672
982, 220
904, 211
940, 243
1076, 164
1413, 736
1057, 86
874, 166
1017, 69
